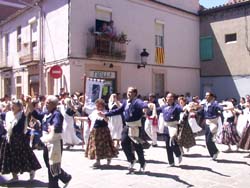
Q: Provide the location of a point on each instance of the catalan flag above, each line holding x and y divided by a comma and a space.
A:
159, 55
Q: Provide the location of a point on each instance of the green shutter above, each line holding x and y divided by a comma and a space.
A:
206, 48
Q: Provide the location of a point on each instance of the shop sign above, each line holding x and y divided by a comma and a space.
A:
102, 74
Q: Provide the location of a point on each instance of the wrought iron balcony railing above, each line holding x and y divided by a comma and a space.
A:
103, 46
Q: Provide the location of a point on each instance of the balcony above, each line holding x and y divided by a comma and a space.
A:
29, 54
105, 47
4, 65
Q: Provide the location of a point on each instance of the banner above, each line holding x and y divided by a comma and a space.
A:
93, 90
159, 55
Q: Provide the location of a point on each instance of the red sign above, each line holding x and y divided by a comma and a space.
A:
56, 72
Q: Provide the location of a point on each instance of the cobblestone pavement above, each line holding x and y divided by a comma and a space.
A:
196, 170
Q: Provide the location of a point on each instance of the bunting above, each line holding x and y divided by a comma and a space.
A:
159, 55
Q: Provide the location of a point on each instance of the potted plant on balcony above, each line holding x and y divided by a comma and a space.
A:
122, 38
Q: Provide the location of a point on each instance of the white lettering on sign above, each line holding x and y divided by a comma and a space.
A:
102, 74
56, 71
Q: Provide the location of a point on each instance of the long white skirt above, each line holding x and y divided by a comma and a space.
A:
115, 126
69, 133
241, 124
193, 124
160, 124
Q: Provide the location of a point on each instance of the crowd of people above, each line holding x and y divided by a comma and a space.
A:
54, 123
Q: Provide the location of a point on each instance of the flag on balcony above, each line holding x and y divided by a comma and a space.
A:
159, 55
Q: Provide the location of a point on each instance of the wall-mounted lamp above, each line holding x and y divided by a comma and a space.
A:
144, 58
110, 65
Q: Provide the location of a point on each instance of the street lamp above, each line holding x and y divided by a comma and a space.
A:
144, 58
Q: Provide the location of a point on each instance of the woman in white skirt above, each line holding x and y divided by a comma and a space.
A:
192, 118
115, 123
69, 133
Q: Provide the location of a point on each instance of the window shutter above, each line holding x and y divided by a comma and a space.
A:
206, 48
103, 15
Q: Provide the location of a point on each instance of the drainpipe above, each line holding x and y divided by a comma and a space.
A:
41, 52
69, 16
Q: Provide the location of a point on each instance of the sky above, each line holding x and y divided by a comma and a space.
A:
212, 3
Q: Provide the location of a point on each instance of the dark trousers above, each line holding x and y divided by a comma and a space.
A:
212, 149
171, 147
127, 143
63, 176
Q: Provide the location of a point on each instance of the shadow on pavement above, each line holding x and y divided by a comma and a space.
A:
234, 151
231, 162
195, 156
161, 175
25, 184
201, 145
188, 167
74, 150
156, 162
111, 167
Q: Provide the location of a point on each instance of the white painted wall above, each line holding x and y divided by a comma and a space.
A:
181, 41
55, 29
11, 29
181, 30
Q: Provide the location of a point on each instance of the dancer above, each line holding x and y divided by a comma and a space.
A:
211, 111
133, 112
244, 142
228, 134
69, 134
185, 134
52, 138
115, 123
171, 114
100, 144
151, 123
16, 156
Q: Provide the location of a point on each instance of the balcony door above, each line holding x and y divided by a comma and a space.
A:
159, 84
34, 85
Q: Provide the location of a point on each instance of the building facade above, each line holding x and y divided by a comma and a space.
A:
70, 34
225, 49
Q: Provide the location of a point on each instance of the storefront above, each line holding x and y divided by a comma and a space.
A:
110, 81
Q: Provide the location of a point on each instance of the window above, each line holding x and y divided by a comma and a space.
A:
206, 48
18, 80
34, 44
18, 91
7, 45
7, 86
18, 86
103, 15
159, 35
19, 40
159, 42
19, 30
230, 38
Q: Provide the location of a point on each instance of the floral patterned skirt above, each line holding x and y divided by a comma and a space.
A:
16, 156
245, 139
100, 144
228, 134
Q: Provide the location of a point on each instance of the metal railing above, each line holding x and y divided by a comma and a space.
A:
103, 46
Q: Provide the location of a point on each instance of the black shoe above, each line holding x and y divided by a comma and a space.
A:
154, 145
67, 183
